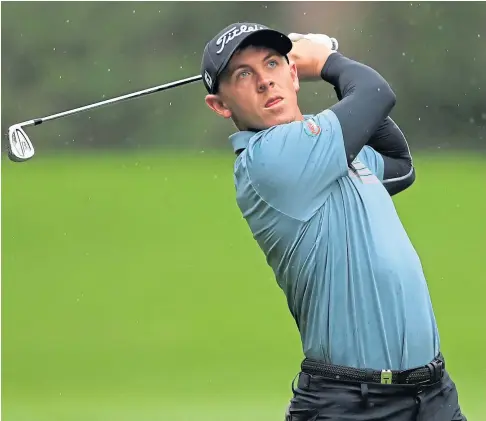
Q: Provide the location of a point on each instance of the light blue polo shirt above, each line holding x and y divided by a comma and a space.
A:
353, 281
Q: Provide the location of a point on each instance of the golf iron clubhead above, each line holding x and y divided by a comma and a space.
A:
20, 147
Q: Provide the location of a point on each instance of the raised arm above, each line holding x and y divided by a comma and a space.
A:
366, 100
390, 142
366, 97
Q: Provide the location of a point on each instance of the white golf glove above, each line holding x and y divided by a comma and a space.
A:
332, 43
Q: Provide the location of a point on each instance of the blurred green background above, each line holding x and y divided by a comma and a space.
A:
131, 286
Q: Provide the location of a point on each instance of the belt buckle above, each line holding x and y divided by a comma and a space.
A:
386, 377
436, 369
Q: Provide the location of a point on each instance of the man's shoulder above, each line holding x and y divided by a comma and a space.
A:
311, 125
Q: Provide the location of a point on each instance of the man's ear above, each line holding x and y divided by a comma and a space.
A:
218, 106
294, 75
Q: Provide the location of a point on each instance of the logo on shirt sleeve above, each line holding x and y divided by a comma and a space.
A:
359, 170
311, 127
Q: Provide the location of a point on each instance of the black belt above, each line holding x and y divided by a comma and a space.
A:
427, 374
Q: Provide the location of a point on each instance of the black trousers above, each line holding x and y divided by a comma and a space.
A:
317, 399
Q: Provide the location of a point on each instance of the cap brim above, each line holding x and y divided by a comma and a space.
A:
265, 38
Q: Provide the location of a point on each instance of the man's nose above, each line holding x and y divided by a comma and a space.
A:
265, 83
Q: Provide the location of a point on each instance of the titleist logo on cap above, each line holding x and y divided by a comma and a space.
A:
234, 33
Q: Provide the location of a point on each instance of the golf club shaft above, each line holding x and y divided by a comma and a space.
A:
37, 121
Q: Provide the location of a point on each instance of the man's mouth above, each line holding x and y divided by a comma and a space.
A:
273, 101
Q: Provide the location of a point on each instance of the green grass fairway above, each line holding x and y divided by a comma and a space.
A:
132, 289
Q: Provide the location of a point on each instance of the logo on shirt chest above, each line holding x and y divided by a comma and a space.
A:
361, 172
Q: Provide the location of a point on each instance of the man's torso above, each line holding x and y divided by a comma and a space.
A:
353, 281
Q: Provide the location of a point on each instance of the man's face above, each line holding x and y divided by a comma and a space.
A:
258, 90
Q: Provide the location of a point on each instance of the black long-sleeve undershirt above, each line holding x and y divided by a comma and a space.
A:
390, 142
366, 99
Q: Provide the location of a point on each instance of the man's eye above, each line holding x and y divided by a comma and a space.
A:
272, 63
243, 74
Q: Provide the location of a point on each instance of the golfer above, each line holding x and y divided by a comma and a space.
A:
316, 192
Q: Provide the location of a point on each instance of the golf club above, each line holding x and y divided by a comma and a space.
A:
21, 148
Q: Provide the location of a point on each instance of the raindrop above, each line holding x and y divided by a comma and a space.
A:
159, 11
403, 54
170, 104
134, 11
60, 77
471, 120
483, 116
479, 35
181, 67
172, 33
419, 119
67, 21
305, 13
378, 89
440, 27
54, 49
109, 70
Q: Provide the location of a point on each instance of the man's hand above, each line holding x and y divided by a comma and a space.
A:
310, 53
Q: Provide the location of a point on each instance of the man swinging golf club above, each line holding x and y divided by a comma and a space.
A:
316, 192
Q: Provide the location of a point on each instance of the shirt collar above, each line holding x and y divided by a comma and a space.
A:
240, 140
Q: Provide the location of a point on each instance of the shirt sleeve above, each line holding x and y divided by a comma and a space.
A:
395, 174
293, 166
373, 160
